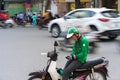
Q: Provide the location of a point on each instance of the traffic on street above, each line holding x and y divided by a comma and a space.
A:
21, 48
59, 39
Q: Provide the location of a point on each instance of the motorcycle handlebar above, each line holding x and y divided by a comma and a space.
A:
68, 57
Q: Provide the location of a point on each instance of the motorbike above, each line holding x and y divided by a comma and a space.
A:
8, 23
20, 22
66, 43
2, 24
42, 22
91, 70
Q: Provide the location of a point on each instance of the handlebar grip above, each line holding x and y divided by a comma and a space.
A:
68, 57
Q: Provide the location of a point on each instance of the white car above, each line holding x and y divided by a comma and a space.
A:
105, 21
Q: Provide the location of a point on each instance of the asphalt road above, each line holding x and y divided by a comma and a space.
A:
21, 47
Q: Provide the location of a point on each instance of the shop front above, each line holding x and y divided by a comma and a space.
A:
65, 6
83, 4
15, 8
113, 4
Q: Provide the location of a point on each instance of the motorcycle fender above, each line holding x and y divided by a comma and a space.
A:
104, 70
37, 74
53, 72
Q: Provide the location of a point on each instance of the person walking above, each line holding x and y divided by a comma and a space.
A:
34, 22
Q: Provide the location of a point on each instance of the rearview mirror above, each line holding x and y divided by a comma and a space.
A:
55, 43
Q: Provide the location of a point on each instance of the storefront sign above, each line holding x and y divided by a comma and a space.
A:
27, 5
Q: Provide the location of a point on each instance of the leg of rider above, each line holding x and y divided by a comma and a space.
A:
71, 67
68, 62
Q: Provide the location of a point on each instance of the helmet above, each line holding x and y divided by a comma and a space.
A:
72, 31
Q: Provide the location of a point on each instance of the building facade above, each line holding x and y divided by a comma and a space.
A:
17, 6
58, 6
65, 6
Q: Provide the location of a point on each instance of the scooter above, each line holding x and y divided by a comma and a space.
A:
2, 24
8, 23
43, 22
66, 43
91, 70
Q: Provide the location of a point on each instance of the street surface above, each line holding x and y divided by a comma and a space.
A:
21, 47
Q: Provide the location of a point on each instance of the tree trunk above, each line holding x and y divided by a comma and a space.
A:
48, 2
0, 4
77, 4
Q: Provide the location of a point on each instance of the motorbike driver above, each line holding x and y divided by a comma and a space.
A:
48, 16
79, 52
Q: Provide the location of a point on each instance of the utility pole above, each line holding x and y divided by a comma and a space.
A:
46, 5
41, 5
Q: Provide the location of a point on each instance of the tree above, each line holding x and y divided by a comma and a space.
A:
77, 4
48, 2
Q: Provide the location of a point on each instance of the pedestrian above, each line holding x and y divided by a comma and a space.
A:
79, 52
34, 22
30, 14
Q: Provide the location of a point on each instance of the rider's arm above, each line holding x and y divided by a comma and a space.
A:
83, 50
73, 49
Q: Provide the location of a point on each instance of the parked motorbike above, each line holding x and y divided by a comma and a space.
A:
8, 23
2, 24
91, 70
66, 44
21, 22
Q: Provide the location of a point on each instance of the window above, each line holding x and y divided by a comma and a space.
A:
82, 14
110, 14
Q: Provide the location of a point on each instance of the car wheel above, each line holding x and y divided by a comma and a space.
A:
93, 28
112, 37
55, 31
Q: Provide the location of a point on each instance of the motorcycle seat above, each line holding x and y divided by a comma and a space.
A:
90, 64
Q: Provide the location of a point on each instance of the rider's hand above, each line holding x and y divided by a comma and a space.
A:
73, 57
69, 57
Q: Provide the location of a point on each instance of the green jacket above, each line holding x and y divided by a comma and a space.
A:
80, 49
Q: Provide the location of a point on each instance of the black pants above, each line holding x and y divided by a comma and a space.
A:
70, 67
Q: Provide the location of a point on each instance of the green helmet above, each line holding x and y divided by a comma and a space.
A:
72, 31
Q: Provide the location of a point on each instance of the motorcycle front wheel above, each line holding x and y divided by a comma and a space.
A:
47, 77
97, 76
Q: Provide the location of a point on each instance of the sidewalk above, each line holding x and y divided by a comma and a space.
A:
29, 25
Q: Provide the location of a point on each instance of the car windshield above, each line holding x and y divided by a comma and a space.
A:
110, 14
